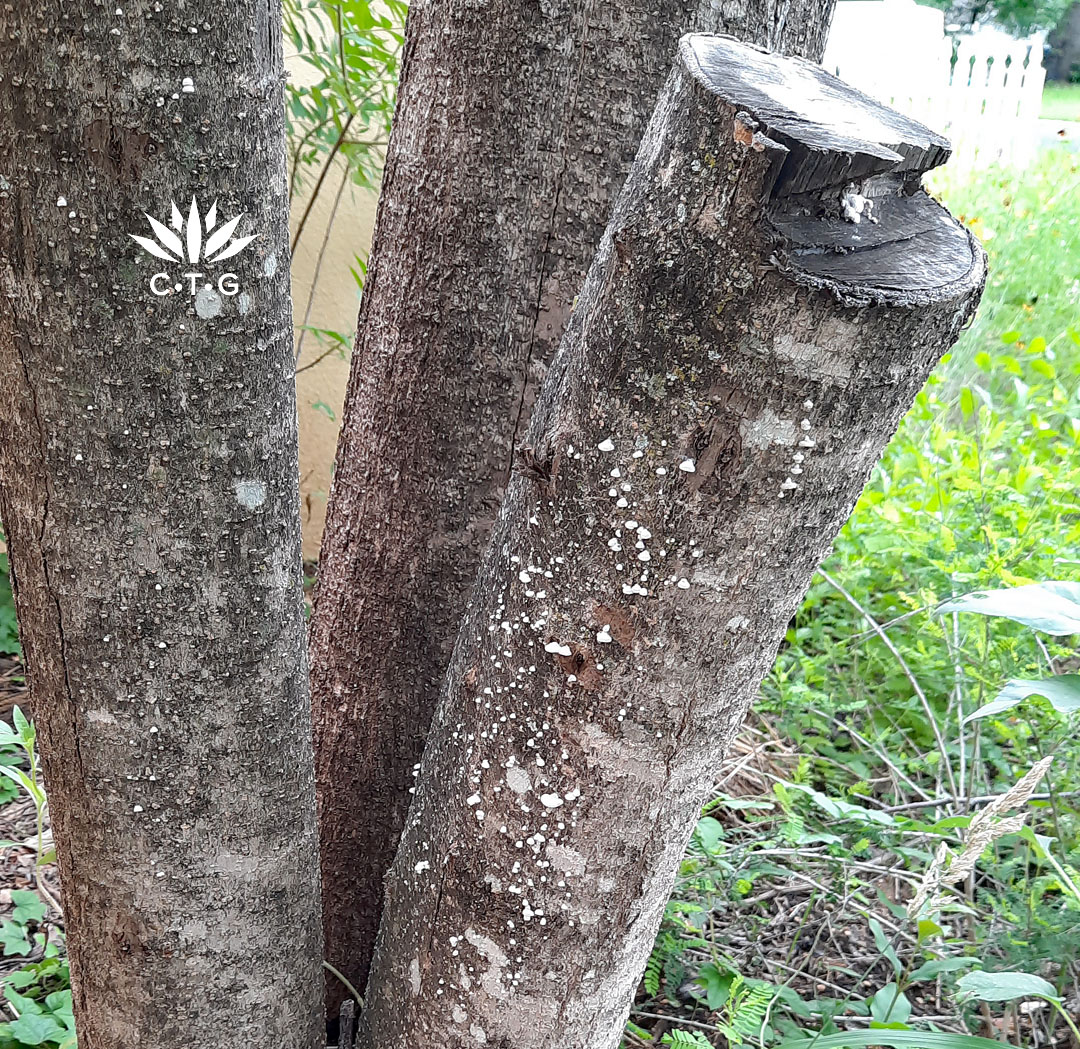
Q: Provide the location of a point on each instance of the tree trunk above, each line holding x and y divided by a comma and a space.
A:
1063, 61
516, 124
148, 488
772, 291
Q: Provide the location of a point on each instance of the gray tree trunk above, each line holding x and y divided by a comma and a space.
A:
148, 488
516, 124
770, 295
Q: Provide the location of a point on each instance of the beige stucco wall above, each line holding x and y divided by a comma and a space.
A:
333, 306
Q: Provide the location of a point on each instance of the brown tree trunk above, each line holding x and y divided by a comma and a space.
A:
148, 488
772, 291
516, 124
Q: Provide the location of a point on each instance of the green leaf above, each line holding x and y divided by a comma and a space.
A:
1063, 693
59, 1005
927, 929
716, 984
35, 1028
1004, 987
844, 810
889, 1005
882, 942
28, 906
894, 1039
13, 937
19, 777
22, 726
22, 1003
709, 833
21, 978
686, 1039
948, 823
1052, 607
932, 968
967, 401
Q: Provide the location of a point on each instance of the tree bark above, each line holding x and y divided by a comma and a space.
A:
515, 126
770, 295
148, 488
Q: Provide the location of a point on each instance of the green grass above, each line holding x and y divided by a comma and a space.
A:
1061, 102
9, 633
1029, 223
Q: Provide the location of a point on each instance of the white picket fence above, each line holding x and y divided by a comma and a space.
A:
984, 92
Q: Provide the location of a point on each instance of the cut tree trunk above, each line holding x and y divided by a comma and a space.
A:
148, 489
770, 295
515, 127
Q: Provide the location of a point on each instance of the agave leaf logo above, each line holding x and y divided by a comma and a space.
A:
198, 238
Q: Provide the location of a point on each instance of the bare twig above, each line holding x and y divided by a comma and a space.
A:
321, 179
318, 269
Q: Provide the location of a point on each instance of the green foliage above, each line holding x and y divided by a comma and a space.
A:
338, 115
1019, 17
1004, 987
38, 993
9, 631
745, 1009
9, 789
23, 739
1052, 607
686, 1039
895, 1040
1061, 692
343, 105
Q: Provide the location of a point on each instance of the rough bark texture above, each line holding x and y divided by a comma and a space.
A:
516, 124
148, 488
703, 433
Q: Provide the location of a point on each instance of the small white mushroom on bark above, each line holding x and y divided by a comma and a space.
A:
768, 252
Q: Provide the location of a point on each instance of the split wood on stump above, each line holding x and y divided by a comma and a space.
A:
771, 293
148, 489
515, 127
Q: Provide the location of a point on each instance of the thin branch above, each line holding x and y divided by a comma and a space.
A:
318, 360
303, 141
983, 799
678, 1021
318, 268
319, 184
